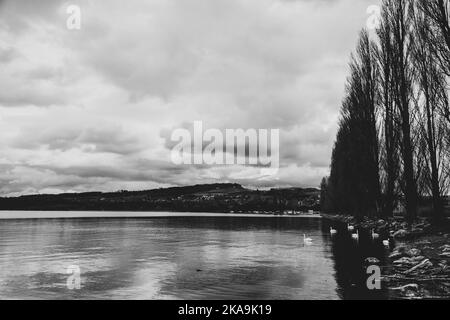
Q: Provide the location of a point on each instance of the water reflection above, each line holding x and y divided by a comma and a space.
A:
180, 258
350, 263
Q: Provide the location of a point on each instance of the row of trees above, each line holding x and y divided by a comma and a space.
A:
393, 142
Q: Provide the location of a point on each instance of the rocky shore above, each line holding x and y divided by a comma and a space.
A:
418, 266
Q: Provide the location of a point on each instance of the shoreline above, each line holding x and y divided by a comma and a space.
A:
35, 214
418, 265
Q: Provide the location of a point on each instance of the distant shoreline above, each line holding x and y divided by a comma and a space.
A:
210, 198
20, 214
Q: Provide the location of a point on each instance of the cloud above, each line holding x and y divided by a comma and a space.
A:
92, 109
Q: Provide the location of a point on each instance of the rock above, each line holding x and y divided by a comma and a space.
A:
404, 260
409, 261
400, 234
423, 265
396, 255
414, 252
445, 248
372, 260
445, 254
426, 293
408, 287
417, 230
409, 290
417, 259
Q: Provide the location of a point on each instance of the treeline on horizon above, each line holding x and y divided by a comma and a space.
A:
392, 148
224, 197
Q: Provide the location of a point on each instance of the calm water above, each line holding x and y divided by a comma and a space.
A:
181, 257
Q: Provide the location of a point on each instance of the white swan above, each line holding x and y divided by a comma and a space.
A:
355, 236
307, 241
333, 231
350, 227
375, 235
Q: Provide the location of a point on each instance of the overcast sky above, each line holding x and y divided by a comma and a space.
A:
92, 109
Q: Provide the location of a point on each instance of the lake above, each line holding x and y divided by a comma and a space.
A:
180, 256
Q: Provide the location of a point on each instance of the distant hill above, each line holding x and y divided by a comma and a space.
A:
198, 198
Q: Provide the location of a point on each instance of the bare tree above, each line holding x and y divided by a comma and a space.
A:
388, 140
438, 11
398, 84
432, 97
401, 28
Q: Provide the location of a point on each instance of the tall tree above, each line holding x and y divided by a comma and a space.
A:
438, 11
355, 163
401, 28
398, 83
432, 94
389, 137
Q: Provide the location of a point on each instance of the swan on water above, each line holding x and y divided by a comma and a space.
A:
375, 235
307, 241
